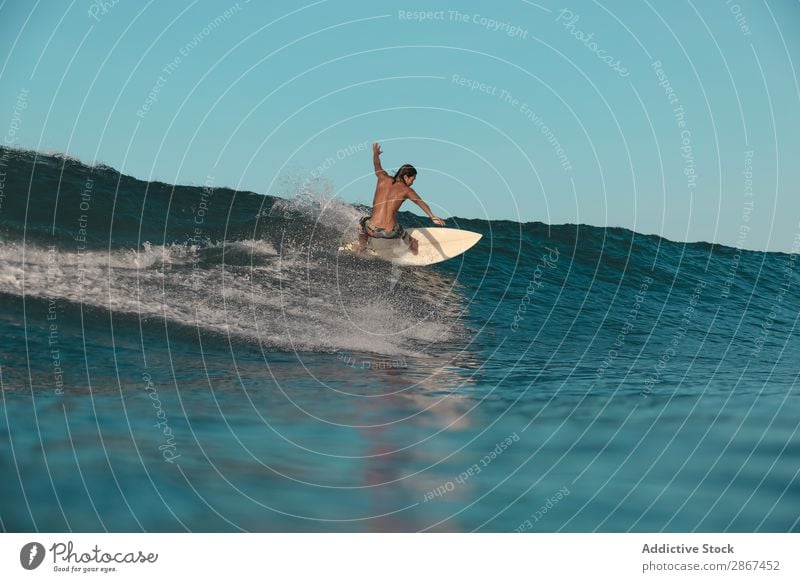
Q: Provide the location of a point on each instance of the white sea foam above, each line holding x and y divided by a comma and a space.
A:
315, 200
284, 300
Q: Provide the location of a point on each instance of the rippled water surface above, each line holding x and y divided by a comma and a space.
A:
170, 366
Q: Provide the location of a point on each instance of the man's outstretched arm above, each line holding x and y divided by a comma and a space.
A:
414, 197
376, 160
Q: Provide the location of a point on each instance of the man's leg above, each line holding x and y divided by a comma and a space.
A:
361, 246
413, 244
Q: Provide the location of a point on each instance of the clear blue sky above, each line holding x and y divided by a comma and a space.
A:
573, 122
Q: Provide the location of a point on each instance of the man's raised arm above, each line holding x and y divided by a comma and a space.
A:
376, 160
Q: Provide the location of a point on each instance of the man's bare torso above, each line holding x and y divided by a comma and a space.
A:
387, 201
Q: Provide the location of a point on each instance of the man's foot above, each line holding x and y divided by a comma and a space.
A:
413, 245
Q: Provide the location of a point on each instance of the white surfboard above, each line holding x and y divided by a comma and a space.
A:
435, 245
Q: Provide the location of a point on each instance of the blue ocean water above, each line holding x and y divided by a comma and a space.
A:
185, 358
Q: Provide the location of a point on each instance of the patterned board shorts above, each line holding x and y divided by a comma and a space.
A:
367, 228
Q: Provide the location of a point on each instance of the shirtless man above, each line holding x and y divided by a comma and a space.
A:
390, 193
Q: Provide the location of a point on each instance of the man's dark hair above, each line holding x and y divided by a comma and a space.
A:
405, 170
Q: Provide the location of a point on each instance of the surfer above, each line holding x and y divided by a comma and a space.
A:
390, 193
